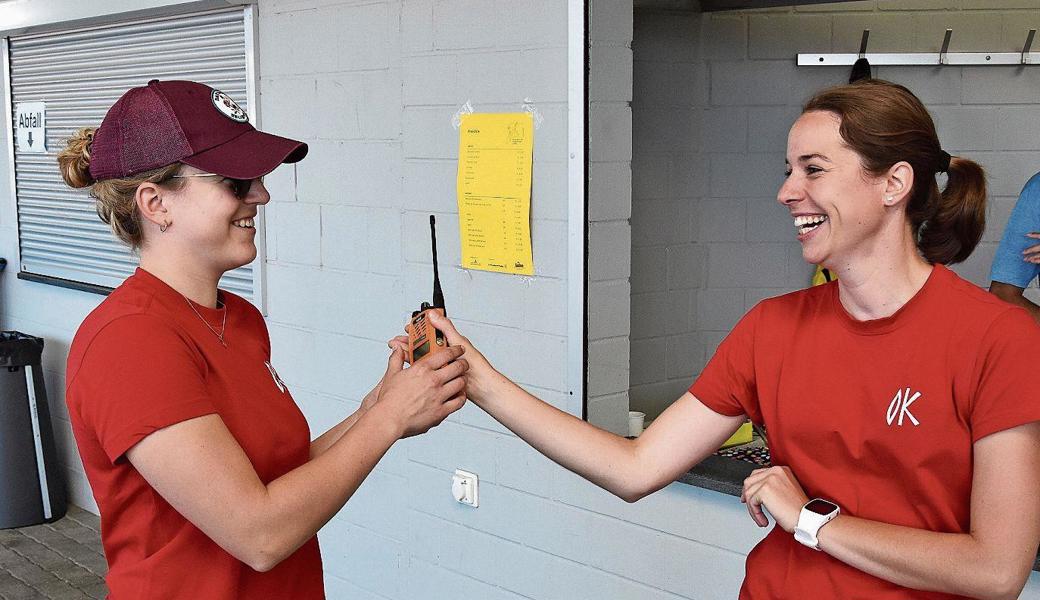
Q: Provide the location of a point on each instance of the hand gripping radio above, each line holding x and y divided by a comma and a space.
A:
423, 338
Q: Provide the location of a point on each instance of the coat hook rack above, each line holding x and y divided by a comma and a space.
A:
944, 51
944, 57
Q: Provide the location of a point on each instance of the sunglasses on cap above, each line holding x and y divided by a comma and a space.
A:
239, 187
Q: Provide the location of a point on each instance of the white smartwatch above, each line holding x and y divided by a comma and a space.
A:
815, 514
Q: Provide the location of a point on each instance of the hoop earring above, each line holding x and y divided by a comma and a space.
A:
164, 227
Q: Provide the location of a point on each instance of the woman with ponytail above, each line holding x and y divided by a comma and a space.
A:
209, 484
900, 401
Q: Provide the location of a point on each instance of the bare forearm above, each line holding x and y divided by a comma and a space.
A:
300, 502
330, 437
605, 459
952, 563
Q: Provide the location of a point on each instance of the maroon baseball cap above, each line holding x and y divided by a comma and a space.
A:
166, 122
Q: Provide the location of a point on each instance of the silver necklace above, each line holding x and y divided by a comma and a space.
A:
223, 322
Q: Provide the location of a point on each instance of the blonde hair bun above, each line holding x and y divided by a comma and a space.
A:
74, 159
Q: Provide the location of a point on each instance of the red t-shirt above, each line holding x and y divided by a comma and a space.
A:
877, 416
141, 361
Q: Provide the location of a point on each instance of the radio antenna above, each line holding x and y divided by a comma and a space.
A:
438, 295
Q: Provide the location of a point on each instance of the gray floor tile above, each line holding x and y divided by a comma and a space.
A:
58, 561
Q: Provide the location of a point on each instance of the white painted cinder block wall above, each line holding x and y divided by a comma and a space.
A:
372, 86
714, 97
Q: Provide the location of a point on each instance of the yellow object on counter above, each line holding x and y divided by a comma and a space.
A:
741, 436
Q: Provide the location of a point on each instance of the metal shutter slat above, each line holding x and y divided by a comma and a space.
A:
79, 74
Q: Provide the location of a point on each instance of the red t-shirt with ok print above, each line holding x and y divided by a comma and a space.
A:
877, 416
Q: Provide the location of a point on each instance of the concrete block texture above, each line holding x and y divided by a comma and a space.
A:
752, 83
662, 129
417, 30
999, 4
784, 36
608, 367
337, 172
610, 190
721, 219
609, 412
840, 7
666, 37
610, 73
1000, 85
609, 250
1018, 127
747, 175
466, 24
431, 79
610, 132
669, 84
544, 76
768, 127
343, 37
610, 22
966, 129
609, 303
723, 36
297, 229
1016, 27
889, 32
649, 269
491, 77
661, 221
972, 32
910, 5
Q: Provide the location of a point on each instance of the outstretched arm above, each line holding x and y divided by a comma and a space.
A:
681, 437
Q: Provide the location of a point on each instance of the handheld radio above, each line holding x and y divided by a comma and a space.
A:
423, 338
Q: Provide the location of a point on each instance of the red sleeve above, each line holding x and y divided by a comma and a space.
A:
139, 375
1007, 394
727, 383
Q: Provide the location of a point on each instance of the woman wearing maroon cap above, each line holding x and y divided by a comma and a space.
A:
207, 480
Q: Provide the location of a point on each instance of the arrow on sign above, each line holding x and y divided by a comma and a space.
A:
30, 139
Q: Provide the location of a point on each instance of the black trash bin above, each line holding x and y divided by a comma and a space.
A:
32, 490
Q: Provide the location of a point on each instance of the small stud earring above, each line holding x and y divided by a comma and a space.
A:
889, 198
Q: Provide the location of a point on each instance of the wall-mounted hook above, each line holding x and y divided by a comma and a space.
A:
945, 47
1029, 44
863, 43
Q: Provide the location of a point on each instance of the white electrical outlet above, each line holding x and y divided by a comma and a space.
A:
464, 486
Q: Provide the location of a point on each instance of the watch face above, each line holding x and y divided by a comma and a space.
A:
821, 507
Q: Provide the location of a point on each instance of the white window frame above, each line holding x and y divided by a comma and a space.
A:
250, 33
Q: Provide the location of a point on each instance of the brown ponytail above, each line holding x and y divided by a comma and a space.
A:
951, 233
115, 201
885, 123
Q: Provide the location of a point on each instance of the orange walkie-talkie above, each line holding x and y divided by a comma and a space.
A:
423, 338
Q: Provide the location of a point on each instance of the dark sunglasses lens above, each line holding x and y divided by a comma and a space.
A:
241, 187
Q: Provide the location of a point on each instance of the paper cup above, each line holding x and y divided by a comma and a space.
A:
635, 423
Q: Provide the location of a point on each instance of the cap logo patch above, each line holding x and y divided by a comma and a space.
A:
228, 108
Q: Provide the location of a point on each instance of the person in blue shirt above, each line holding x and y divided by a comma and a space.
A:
1017, 262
